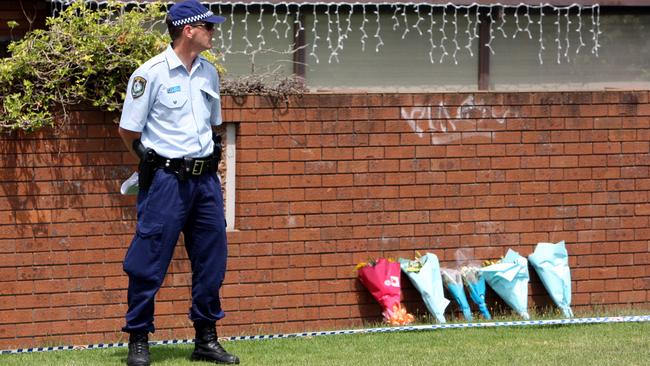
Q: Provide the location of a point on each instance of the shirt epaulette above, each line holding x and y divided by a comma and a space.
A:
158, 62
152, 62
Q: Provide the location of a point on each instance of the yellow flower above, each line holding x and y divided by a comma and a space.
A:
360, 265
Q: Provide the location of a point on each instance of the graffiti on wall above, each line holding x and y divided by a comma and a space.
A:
445, 123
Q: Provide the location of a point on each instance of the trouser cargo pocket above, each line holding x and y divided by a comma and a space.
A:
142, 259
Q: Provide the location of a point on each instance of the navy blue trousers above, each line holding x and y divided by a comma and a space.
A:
195, 208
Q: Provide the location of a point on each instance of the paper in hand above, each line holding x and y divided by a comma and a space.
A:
130, 186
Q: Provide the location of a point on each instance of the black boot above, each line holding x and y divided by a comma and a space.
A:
207, 348
138, 349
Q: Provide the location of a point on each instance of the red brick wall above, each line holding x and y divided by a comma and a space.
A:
326, 182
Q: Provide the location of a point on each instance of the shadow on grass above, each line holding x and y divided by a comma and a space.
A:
161, 354
171, 355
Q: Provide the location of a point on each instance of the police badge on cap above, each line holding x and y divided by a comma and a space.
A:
190, 11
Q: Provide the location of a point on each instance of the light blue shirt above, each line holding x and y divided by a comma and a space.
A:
173, 109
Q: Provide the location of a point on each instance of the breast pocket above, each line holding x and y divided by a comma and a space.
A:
172, 100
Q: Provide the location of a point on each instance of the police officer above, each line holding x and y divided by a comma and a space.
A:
172, 102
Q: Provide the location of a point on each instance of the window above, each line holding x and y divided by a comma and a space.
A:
440, 47
254, 39
622, 60
397, 51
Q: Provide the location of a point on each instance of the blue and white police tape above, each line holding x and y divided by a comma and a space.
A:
612, 319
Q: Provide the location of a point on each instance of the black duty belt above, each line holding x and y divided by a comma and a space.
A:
184, 167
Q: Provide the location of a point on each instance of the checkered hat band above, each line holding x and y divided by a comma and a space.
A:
193, 19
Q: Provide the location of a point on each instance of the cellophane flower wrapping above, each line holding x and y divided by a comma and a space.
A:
475, 283
382, 279
454, 283
509, 279
551, 262
424, 273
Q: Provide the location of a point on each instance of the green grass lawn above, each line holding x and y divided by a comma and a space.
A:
589, 344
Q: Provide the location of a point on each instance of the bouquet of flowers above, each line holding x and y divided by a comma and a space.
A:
382, 279
475, 283
454, 283
509, 279
424, 273
551, 262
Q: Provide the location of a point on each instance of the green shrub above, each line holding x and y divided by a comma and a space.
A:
84, 55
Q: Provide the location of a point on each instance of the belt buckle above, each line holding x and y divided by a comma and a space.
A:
197, 167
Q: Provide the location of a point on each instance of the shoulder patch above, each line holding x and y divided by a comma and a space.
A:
138, 87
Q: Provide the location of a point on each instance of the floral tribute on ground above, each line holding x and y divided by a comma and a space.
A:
509, 279
454, 282
424, 273
381, 278
475, 283
551, 262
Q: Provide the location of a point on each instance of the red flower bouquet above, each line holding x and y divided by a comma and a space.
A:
382, 279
